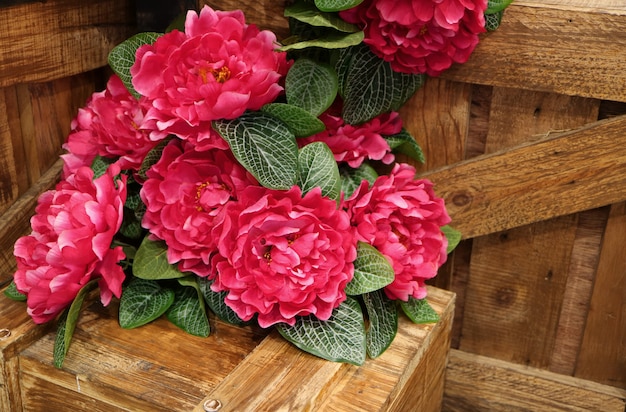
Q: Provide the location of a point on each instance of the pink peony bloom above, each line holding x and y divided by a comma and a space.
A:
70, 243
354, 144
282, 255
184, 194
401, 217
217, 69
110, 126
420, 36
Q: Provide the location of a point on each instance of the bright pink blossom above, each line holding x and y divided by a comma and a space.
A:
282, 255
425, 36
70, 243
110, 125
353, 144
402, 218
184, 194
218, 68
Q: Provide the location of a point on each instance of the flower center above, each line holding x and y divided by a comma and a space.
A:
220, 75
423, 30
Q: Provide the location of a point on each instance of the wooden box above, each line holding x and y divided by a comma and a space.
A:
160, 368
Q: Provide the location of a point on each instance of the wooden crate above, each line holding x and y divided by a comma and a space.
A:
160, 368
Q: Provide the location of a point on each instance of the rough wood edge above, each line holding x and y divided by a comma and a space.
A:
558, 175
261, 365
474, 382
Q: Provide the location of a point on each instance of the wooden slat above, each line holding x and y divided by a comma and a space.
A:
559, 175
602, 355
480, 383
567, 49
266, 14
278, 377
48, 40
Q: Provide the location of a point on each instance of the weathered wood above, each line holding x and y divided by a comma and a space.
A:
572, 49
268, 15
480, 383
48, 40
602, 354
555, 176
245, 370
278, 377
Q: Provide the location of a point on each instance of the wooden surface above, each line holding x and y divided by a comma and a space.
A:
574, 48
480, 383
49, 40
245, 371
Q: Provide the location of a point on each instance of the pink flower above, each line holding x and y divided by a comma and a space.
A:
70, 243
402, 217
184, 194
218, 68
354, 144
424, 36
282, 255
110, 126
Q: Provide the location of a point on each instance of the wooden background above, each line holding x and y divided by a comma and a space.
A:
527, 143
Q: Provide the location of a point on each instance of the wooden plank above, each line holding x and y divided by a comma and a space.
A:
480, 383
565, 49
60, 38
518, 277
276, 376
8, 176
266, 14
15, 222
602, 356
561, 174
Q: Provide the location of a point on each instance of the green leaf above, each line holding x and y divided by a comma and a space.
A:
339, 339
215, 300
372, 271
309, 14
327, 41
188, 313
152, 157
419, 311
336, 5
298, 120
371, 87
11, 292
311, 86
178, 23
67, 323
383, 317
264, 146
496, 6
351, 178
151, 261
404, 143
100, 165
122, 57
492, 21
317, 168
453, 236
142, 302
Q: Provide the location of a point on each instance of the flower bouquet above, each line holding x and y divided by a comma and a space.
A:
223, 172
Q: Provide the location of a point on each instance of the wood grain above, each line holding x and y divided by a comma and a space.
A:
268, 15
562, 49
555, 176
480, 383
59, 38
602, 355
278, 377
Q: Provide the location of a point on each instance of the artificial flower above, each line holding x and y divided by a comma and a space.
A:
217, 69
110, 125
70, 243
402, 218
425, 36
283, 255
184, 194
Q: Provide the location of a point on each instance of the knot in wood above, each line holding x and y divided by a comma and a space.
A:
4, 333
461, 199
